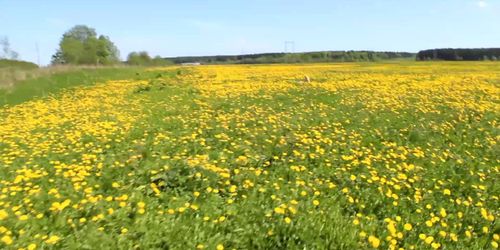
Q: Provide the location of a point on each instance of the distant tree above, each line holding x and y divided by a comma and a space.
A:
139, 58
459, 54
158, 61
80, 45
107, 51
7, 53
142, 58
58, 58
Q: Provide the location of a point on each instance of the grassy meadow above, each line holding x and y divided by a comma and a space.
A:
400, 155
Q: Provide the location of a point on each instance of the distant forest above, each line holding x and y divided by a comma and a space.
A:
306, 57
492, 54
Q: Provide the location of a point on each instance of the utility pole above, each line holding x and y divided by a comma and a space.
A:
289, 46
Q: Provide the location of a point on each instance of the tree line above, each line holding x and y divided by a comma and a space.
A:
82, 46
485, 54
306, 57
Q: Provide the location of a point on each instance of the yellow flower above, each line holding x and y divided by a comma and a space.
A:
429, 223
468, 234
222, 218
374, 241
453, 237
429, 239
279, 210
288, 220
494, 244
3, 214
447, 192
408, 226
435, 245
442, 212
52, 239
59, 206
6, 239
391, 227
31, 246
220, 247
315, 202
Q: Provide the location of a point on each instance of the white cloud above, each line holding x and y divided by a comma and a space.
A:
482, 4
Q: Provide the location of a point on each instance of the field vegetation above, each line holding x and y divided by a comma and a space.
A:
316, 156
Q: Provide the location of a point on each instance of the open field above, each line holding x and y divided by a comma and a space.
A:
373, 155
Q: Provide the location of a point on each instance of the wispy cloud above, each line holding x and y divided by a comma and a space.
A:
482, 4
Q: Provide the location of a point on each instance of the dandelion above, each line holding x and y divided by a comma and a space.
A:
3, 214
429, 239
6, 239
374, 241
288, 220
52, 239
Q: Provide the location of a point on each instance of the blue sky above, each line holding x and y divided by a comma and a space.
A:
203, 27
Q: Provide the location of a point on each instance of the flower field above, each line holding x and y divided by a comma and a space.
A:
360, 156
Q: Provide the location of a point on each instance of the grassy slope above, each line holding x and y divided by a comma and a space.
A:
5, 63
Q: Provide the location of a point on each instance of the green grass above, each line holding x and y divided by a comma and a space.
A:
53, 83
15, 64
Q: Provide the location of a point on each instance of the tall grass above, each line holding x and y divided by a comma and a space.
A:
18, 85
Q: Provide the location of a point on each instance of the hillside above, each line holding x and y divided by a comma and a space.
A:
15, 64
